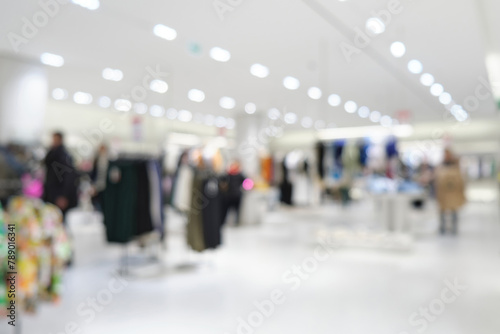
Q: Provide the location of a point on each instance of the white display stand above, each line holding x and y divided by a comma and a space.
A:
255, 204
393, 208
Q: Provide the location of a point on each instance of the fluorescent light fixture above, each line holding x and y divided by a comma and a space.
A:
250, 108
375, 26
123, 105
88, 4
437, 89
158, 86
51, 59
415, 67
273, 114
363, 112
400, 131
172, 113
291, 83
230, 124
104, 102
307, 122
165, 32
460, 114
112, 74
220, 54
290, 118
334, 100
185, 116
140, 108
259, 70
157, 111
314, 93
445, 98
427, 79
375, 116
196, 95
82, 98
59, 94
386, 121
398, 49
220, 121
227, 102
350, 107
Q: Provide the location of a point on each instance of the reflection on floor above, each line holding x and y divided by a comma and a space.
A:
352, 291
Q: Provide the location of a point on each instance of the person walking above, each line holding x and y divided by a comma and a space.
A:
450, 191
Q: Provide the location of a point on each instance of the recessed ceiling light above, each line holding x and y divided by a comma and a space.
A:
88, 4
198, 118
307, 122
334, 100
230, 124
375, 26
165, 32
291, 83
185, 116
364, 112
375, 116
319, 124
157, 111
158, 86
427, 79
141, 108
82, 98
437, 89
250, 108
273, 114
220, 121
171, 113
227, 102
460, 114
123, 105
51, 59
59, 94
398, 49
111, 74
386, 121
209, 120
350, 107
314, 93
104, 102
196, 95
259, 70
220, 54
290, 118
445, 98
415, 67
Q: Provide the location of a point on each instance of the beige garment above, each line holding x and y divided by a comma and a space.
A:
450, 188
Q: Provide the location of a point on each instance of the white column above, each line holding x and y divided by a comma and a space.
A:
23, 99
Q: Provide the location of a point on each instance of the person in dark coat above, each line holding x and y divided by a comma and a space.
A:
232, 189
61, 180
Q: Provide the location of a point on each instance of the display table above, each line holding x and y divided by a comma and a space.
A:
392, 209
255, 204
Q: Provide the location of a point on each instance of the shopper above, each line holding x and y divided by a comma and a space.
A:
11, 171
99, 175
61, 179
449, 190
232, 189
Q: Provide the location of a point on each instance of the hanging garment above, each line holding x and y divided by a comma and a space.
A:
212, 213
155, 196
320, 156
183, 188
195, 236
143, 221
286, 187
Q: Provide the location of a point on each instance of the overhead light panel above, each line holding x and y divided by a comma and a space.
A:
157, 111
227, 102
123, 105
375, 26
51, 59
158, 86
398, 49
350, 107
59, 94
88, 4
415, 66
220, 54
185, 116
273, 114
290, 118
82, 98
250, 108
427, 79
307, 122
259, 70
140, 108
314, 93
196, 95
291, 83
334, 100
112, 74
165, 32
172, 113
364, 112
437, 89
104, 102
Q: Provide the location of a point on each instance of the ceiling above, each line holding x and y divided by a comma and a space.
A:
300, 38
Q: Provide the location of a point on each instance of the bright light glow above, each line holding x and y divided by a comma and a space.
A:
123, 105
248, 184
219, 54
364, 131
165, 32
259, 70
375, 116
157, 111
141, 108
158, 86
230, 124
82, 98
227, 102
319, 124
111, 74
196, 95
386, 121
51, 59
415, 67
350, 107
334, 100
104, 102
185, 116
291, 83
314, 93
171, 113
273, 114
437, 89
364, 112
59, 94
250, 108
220, 121
198, 118
398, 49
445, 98
290, 118
307, 122
460, 114
88, 4
375, 25
209, 120
427, 79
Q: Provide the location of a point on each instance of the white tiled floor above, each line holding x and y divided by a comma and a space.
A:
355, 291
